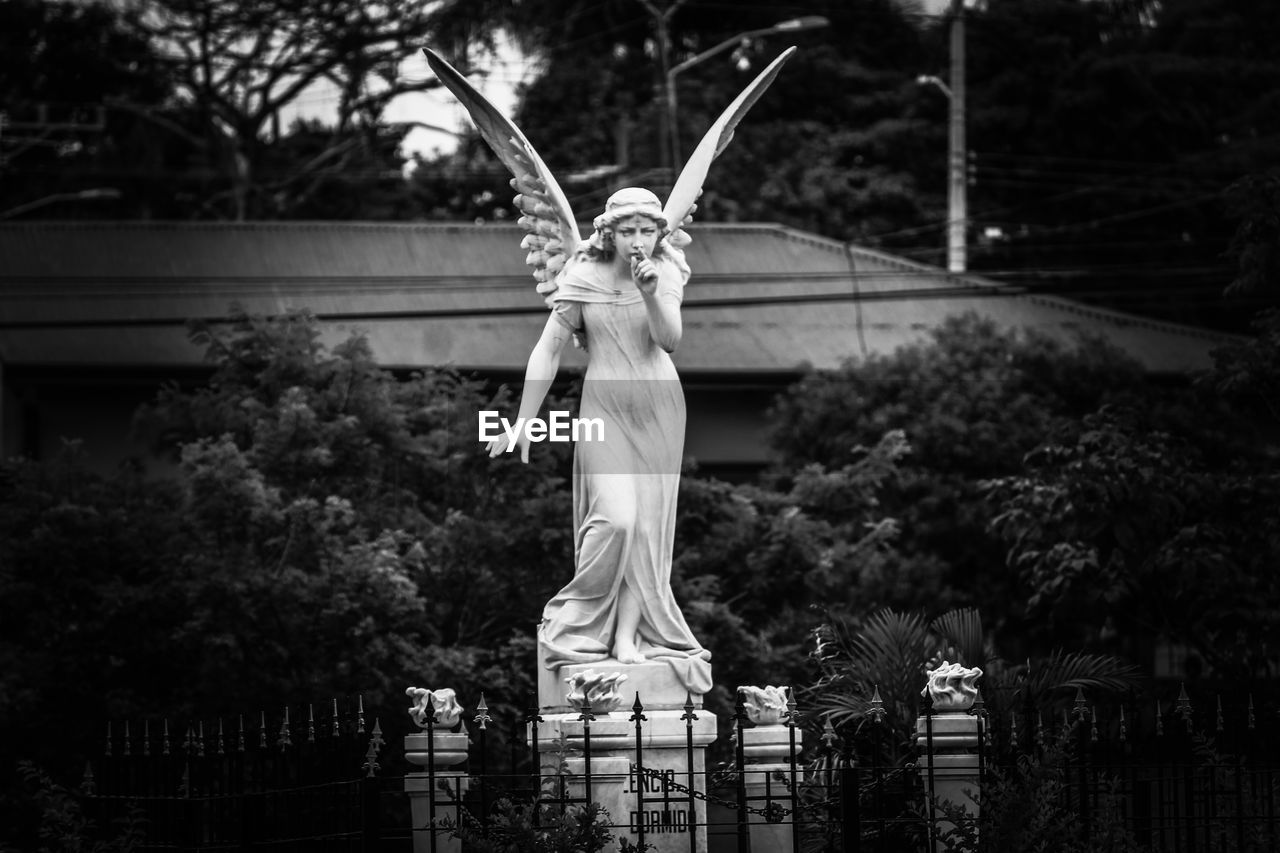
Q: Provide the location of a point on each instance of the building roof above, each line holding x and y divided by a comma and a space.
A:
763, 299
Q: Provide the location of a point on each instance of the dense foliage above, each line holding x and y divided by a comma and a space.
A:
972, 399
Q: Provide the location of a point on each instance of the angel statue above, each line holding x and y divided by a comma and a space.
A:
617, 293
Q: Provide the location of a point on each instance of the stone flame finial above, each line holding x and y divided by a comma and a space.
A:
951, 687
443, 703
597, 689
765, 706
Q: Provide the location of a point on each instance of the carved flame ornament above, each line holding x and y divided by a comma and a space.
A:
765, 706
951, 687
597, 690
443, 703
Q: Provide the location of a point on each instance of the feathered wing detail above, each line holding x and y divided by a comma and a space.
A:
689, 184
552, 229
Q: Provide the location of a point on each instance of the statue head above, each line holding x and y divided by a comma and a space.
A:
625, 203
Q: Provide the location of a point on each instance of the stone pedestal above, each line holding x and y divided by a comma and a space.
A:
768, 779
952, 762
442, 752
655, 681
672, 747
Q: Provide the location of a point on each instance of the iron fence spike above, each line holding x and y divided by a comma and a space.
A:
793, 712
829, 736
482, 718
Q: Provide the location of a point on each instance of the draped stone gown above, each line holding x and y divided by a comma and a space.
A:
624, 487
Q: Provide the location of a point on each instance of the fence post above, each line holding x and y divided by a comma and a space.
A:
435, 791
947, 737
769, 749
370, 807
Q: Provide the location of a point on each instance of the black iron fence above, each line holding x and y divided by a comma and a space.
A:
1134, 776
306, 779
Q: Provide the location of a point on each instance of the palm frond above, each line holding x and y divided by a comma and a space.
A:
962, 630
1057, 679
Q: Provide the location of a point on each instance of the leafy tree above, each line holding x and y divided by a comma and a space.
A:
241, 70
1255, 246
1153, 526
60, 63
1104, 138
330, 530
836, 145
1137, 530
971, 400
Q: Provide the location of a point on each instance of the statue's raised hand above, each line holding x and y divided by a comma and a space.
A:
643, 272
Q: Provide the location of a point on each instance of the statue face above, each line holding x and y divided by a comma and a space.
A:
633, 231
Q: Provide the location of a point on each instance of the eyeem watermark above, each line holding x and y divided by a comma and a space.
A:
558, 427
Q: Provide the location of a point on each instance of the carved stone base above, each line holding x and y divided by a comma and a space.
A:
655, 681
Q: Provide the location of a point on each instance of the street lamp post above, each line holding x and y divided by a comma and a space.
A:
95, 194
808, 22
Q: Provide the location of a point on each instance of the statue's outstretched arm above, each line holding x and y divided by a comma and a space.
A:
544, 362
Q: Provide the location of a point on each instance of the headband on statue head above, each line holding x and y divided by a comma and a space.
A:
632, 201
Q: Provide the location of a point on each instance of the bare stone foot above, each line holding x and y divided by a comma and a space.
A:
626, 652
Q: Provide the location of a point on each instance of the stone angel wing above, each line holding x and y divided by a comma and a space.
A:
552, 229
689, 184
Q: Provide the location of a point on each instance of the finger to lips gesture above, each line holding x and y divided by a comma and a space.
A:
643, 271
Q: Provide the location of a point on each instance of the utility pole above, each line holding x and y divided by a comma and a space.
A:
957, 183
662, 92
